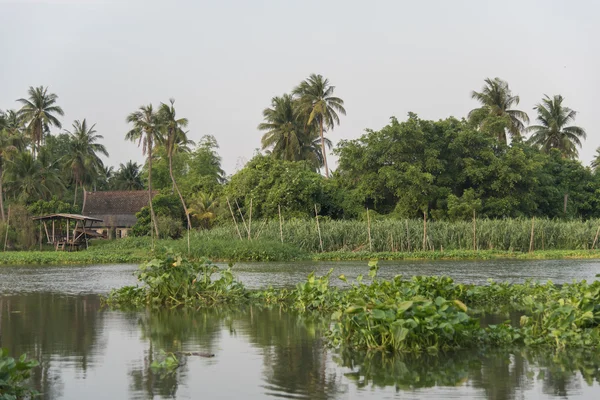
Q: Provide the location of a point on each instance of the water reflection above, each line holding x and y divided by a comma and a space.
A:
86, 352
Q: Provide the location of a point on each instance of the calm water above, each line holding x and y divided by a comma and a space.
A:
54, 314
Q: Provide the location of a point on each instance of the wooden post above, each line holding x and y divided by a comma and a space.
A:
250, 221
369, 230
53, 233
424, 230
46, 230
280, 223
40, 235
318, 228
474, 232
234, 221
565, 204
531, 240
596, 238
7, 227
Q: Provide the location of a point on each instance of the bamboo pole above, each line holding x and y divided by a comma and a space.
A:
595, 238
532, 232
40, 236
474, 232
242, 215
280, 223
369, 230
424, 230
250, 221
234, 220
7, 227
318, 228
407, 237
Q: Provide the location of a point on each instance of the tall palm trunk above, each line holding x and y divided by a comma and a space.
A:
1, 197
152, 216
185, 209
323, 151
75, 198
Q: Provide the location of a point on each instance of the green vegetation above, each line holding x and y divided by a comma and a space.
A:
418, 183
421, 314
13, 375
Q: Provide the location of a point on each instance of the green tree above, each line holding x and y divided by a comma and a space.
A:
497, 101
128, 177
205, 173
8, 147
204, 208
83, 160
39, 112
286, 136
317, 102
596, 161
175, 139
29, 179
553, 131
146, 131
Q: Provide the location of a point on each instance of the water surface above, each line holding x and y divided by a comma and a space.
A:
85, 352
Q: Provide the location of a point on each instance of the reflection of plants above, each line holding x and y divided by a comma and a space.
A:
13, 374
166, 364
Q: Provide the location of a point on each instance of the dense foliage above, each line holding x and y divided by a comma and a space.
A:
14, 373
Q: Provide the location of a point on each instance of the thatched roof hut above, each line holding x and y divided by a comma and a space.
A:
116, 208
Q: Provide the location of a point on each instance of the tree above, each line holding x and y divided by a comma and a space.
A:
204, 208
39, 113
8, 147
146, 131
83, 160
288, 137
596, 161
317, 102
175, 140
30, 179
553, 131
128, 177
496, 104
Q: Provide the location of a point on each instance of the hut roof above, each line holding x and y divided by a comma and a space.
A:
67, 216
115, 208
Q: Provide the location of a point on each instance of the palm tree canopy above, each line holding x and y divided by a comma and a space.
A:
39, 112
596, 161
83, 159
128, 177
317, 101
145, 129
175, 137
553, 130
497, 100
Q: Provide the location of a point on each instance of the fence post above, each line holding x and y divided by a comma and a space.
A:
318, 228
369, 230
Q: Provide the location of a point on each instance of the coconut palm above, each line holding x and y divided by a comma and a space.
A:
204, 208
317, 103
39, 113
286, 136
596, 161
8, 147
496, 102
83, 160
146, 131
128, 177
175, 139
29, 179
553, 131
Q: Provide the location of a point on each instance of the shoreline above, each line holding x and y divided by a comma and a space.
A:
138, 256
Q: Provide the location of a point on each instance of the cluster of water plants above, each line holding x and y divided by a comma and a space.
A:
418, 315
14, 373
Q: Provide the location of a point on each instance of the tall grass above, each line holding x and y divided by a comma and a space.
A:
407, 235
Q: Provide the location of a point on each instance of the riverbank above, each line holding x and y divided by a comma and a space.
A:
243, 251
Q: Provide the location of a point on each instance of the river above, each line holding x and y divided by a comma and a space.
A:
85, 352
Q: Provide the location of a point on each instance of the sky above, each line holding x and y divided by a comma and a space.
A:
223, 61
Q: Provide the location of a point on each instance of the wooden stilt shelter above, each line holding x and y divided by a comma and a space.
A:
63, 235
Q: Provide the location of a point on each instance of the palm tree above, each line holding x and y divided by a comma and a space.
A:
39, 113
29, 178
128, 177
552, 131
286, 136
83, 160
204, 207
596, 161
146, 131
175, 140
316, 101
8, 147
497, 101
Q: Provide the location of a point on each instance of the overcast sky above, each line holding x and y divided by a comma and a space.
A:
224, 60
